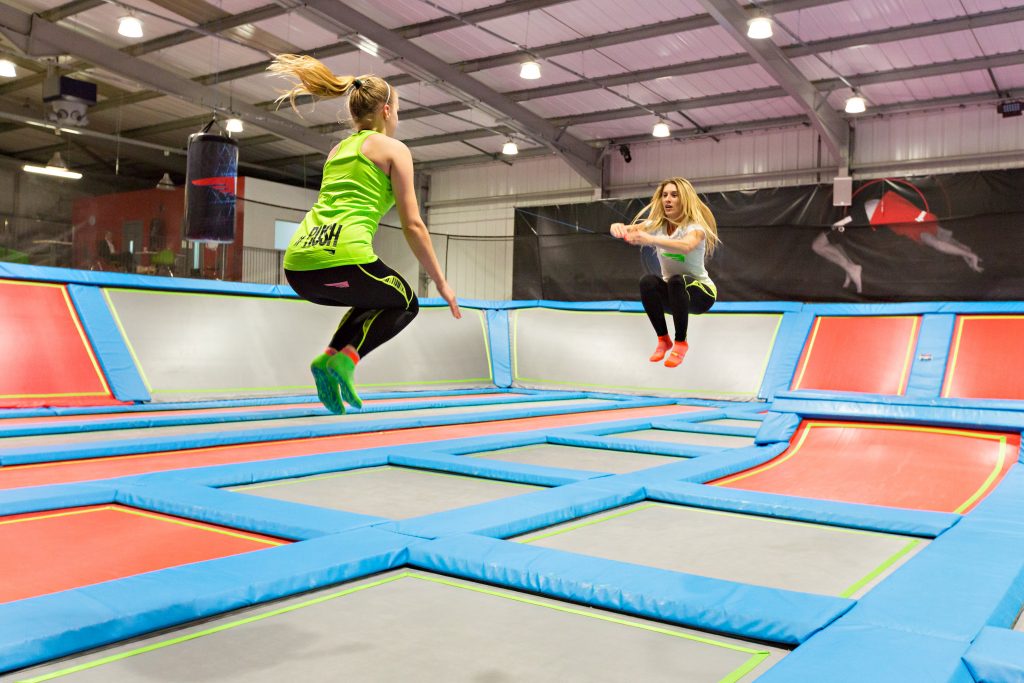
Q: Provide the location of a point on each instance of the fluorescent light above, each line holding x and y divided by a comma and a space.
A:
7, 69
234, 126
55, 167
368, 46
129, 27
759, 28
855, 105
661, 130
509, 149
530, 71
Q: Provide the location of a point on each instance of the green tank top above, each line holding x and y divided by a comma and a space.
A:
339, 229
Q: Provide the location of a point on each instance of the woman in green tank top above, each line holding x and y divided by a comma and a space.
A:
330, 260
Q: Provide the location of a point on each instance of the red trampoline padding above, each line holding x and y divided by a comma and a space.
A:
46, 552
45, 357
16, 476
870, 355
922, 468
985, 359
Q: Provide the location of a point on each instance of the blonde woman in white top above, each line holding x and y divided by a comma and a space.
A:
683, 230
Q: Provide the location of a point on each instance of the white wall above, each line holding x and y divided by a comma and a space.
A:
479, 199
258, 222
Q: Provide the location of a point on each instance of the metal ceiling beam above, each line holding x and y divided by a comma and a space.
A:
742, 126
38, 36
834, 130
581, 157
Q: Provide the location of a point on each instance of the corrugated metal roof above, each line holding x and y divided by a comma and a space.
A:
614, 56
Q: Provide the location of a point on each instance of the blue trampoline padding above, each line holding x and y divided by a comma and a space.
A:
105, 337
769, 614
34, 454
700, 470
282, 519
786, 352
1003, 509
929, 366
997, 656
536, 475
500, 347
124, 280
523, 513
868, 517
698, 428
966, 579
240, 474
312, 409
50, 626
777, 427
229, 403
54, 497
859, 654
918, 401
835, 408
635, 446
916, 308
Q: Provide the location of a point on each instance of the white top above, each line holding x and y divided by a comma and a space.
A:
691, 264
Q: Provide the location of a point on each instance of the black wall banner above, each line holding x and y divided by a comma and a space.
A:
927, 238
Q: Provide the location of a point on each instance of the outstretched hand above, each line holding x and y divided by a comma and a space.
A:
448, 294
619, 230
638, 237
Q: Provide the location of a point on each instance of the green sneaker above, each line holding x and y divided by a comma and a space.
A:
342, 369
326, 386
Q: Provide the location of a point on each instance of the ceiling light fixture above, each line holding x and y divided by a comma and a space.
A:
510, 148
54, 167
529, 70
759, 28
234, 126
129, 26
7, 69
661, 130
855, 104
165, 183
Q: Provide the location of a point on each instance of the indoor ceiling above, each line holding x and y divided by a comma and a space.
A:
609, 71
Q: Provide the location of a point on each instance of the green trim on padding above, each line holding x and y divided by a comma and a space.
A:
874, 573
127, 341
756, 656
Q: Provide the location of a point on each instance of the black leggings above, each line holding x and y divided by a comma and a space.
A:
680, 296
382, 301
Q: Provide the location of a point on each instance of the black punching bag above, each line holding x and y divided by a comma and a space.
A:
210, 188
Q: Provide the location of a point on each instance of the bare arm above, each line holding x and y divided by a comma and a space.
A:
413, 227
684, 246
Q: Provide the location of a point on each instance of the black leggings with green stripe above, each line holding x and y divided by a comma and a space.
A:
382, 301
680, 296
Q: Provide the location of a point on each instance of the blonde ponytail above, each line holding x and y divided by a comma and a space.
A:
367, 94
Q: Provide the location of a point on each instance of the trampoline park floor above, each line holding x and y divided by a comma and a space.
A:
386, 628
391, 492
776, 553
104, 467
577, 458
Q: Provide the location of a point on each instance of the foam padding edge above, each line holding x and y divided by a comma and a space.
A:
43, 628
748, 611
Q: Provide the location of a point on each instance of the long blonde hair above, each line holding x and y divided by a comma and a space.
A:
693, 211
366, 94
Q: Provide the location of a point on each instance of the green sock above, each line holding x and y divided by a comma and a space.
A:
326, 385
342, 369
